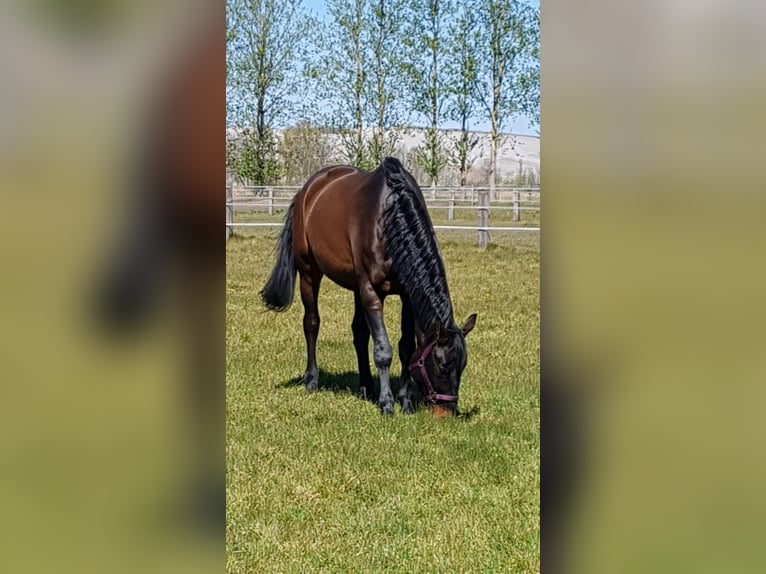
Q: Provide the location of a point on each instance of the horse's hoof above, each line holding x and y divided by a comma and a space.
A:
387, 410
408, 408
312, 386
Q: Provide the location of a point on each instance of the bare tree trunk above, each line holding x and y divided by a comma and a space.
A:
434, 151
358, 87
493, 158
463, 149
358, 124
261, 134
380, 94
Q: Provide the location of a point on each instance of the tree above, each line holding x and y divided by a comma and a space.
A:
339, 77
356, 76
424, 70
266, 40
252, 157
304, 150
385, 21
462, 70
530, 79
509, 77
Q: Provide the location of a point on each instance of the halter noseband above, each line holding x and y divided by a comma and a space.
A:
431, 397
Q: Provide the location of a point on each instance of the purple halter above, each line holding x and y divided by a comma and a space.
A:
431, 397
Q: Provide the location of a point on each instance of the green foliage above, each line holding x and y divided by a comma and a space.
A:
265, 41
253, 158
385, 21
373, 67
355, 76
459, 154
304, 150
382, 143
508, 78
323, 483
424, 69
432, 156
338, 74
355, 150
462, 73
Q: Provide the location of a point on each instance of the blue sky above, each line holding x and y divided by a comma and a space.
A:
519, 126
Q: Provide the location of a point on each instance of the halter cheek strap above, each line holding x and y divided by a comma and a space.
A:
420, 365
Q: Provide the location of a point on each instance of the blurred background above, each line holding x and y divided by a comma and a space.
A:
112, 372
652, 279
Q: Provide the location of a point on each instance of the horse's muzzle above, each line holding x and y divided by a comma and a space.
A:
442, 410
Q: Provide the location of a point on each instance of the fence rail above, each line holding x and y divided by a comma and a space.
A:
482, 200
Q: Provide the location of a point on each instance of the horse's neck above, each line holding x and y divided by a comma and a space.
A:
425, 321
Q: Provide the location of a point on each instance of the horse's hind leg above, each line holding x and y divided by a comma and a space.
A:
309, 295
406, 350
361, 332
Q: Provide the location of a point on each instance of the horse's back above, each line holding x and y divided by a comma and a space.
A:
335, 212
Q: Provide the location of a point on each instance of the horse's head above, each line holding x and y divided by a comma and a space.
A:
438, 366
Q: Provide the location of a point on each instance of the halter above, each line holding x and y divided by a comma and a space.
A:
432, 397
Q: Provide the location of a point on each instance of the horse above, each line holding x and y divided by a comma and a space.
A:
370, 232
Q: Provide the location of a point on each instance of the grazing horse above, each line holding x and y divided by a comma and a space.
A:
371, 233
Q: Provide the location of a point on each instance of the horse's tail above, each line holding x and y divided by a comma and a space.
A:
278, 293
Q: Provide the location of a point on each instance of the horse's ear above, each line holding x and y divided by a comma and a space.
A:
469, 324
440, 333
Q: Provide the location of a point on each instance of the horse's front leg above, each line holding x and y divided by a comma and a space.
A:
406, 350
309, 296
381, 348
361, 332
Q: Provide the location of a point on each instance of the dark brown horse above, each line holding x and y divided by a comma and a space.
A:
371, 233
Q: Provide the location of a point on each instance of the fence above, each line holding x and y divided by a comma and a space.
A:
452, 199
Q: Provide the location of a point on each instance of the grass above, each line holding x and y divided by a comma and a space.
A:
324, 483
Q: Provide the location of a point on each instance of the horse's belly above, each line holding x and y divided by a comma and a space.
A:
338, 268
332, 253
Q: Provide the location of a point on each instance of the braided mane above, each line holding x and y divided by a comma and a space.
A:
411, 245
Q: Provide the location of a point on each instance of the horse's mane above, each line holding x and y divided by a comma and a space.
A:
411, 245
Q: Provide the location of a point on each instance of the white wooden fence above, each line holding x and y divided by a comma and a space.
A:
516, 199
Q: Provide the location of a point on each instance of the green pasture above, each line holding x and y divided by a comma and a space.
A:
324, 483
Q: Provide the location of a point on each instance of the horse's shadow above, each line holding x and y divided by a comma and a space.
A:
348, 383
339, 383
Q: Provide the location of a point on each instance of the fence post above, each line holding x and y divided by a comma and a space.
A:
483, 218
229, 211
271, 201
451, 208
516, 210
